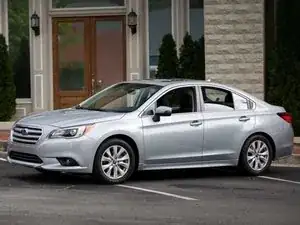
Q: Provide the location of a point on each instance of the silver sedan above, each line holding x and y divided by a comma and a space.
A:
154, 125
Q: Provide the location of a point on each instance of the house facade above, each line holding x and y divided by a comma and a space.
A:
81, 46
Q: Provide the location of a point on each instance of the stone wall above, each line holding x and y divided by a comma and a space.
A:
234, 43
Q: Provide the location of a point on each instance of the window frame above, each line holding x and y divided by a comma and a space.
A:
188, 16
86, 8
152, 104
251, 105
174, 16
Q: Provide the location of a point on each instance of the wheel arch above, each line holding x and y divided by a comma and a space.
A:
264, 134
127, 139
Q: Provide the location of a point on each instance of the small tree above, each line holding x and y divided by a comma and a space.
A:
187, 58
199, 60
7, 86
21, 69
168, 60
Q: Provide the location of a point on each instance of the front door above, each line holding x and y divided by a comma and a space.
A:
175, 140
88, 55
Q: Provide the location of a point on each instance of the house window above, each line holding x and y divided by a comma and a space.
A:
160, 24
196, 19
86, 3
18, 28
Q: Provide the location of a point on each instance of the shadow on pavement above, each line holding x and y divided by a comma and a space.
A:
33, 177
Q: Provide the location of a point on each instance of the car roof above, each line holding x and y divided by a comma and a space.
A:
182, 81
167, 82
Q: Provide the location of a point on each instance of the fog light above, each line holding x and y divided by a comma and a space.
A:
67, 162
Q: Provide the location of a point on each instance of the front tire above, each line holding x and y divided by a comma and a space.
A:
256, 155
114, 162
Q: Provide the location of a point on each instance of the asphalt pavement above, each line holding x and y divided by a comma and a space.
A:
198, 196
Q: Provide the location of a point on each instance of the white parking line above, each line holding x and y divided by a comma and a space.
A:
278, 179
3, 160
157, 192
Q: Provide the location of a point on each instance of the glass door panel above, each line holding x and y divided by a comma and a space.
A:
109, 55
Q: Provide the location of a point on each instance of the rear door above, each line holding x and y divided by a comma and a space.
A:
228, 119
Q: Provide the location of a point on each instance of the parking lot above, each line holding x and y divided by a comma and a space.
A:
198, 196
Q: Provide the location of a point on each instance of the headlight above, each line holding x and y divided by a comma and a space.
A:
70, 132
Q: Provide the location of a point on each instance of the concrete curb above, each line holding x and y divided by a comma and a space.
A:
3, 155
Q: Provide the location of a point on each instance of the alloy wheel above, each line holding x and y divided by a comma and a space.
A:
115, 162
258, 155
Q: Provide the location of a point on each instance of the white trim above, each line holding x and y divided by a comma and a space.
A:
129, 39
24, 110
41, 39
23, 101
173, 19
187, 11
42, 91
147, 50
5, 28
87, 12
87, 8
50, 65
31, 49
138, 61
4, 20
6, 125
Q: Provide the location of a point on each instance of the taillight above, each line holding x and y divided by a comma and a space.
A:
286, 116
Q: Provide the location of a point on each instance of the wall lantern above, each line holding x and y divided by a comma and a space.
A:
132, 21
35, 23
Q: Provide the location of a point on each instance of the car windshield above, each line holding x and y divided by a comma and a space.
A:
123, 97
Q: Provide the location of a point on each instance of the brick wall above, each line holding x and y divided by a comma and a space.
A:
234, 43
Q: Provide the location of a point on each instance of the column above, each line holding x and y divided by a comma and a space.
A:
135, 43
234, 44
4, 19
39, 51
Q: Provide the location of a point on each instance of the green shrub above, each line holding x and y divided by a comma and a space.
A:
7, 86
186, 58
199, 60
168, 59
191, 58
283, 71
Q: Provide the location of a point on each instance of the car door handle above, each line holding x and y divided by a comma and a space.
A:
196, 123
244, 118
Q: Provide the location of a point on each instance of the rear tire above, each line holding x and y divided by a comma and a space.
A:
256, 155
114, 162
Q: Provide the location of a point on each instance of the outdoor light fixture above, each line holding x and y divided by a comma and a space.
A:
132, 21
35, 24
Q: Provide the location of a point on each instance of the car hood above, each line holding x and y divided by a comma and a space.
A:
70, 117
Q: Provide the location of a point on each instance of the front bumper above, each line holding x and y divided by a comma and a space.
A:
46, 154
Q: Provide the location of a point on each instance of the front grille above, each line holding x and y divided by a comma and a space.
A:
25, 157
26, 134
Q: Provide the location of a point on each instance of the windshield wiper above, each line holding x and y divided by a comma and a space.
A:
86, 108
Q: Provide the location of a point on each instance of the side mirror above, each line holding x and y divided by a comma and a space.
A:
161, 111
